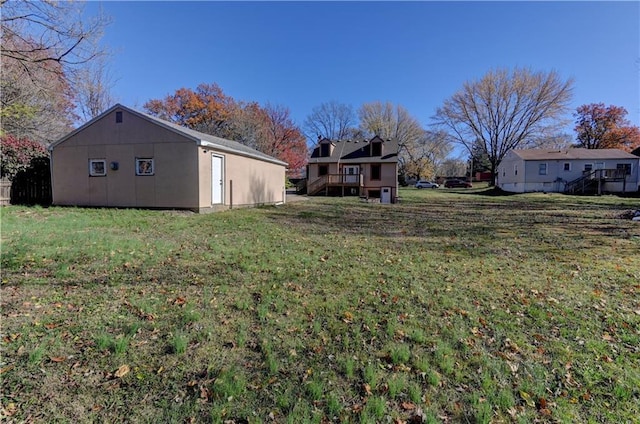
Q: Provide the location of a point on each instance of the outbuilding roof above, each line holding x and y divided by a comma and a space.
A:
567, 154
201, 139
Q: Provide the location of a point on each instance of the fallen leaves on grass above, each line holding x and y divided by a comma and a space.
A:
122, 371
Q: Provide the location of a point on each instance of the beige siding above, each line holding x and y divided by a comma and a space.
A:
247, 181
173, 185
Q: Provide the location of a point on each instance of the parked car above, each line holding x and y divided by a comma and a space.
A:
426, 184
457, 184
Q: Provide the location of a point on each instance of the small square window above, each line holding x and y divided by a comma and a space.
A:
323, 170
118, 117
567, 166
542, 169
144, 166
588, 167
97, 167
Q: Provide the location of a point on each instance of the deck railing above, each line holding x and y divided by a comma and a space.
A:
589, 179
337, 180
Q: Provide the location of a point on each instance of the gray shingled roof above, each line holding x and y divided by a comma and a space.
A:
356, 151
545, 154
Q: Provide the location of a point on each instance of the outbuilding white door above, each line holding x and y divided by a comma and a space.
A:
217, 179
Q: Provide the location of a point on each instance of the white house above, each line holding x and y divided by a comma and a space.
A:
571, 171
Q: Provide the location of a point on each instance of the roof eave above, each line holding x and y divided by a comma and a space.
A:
205, 143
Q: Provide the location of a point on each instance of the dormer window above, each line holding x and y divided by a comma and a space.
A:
324, 150
376, 149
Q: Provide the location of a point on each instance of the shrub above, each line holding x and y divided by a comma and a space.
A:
18, 153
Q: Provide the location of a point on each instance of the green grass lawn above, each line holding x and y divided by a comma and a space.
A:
451, 306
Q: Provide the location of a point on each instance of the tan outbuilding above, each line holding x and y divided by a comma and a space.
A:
125, 158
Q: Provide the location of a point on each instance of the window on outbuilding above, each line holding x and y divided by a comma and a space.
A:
144, 166
97, 167
118, 117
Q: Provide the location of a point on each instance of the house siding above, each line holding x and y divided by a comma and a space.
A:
182, 168
173, 185
528, 178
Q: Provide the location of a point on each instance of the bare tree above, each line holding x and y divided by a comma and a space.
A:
31, 111
452, 168
38, 33
418, 150
331, 120
506, 110
93, 88
43, 45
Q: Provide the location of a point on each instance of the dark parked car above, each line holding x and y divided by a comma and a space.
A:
457, 184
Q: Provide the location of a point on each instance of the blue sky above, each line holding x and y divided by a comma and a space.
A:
416, 54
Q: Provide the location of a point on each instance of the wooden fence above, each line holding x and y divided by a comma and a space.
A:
30, 187
5, 192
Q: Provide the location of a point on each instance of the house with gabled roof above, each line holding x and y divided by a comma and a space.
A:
125, 158
365, 168
580, 171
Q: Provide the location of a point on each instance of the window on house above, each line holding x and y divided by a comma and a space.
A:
588, 167
542, 169
324, 150
567, 166
144, 166
97, 167
118, 117
625, 167
375, 172
376, 149
515, 169
323, 170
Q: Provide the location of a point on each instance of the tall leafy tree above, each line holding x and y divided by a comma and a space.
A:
283, 139
207, 109
506, 110
605, 127
479, 158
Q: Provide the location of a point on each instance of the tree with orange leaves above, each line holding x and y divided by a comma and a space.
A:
268, 129
207, 109
605, 127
